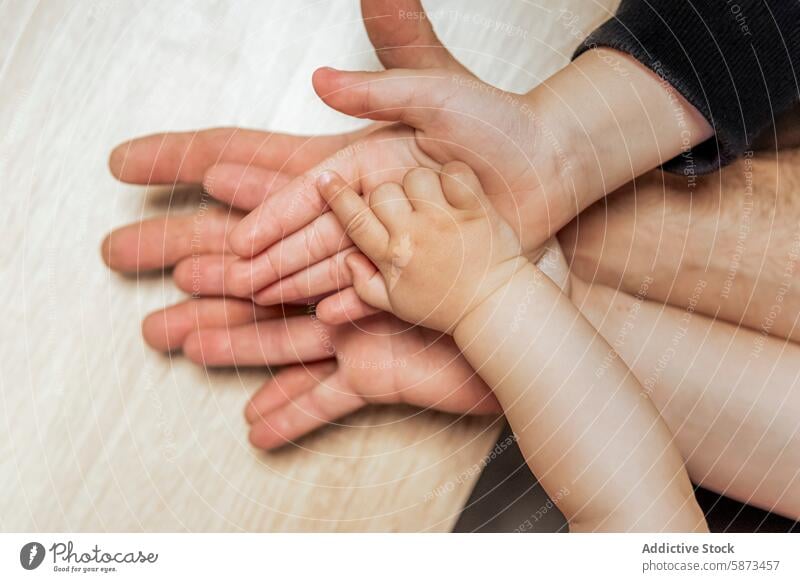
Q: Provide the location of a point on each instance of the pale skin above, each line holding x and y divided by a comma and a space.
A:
217, 332
729, 395
243, 167
737, 231
516, 144
446, 259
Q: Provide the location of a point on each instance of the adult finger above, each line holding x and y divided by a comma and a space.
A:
243, 186
322, 238
411, 96
299, 203
328, 275
326, 402
161, 242
203, 275
167, 329
167, 158
273, 342
403, 36
286, 385
344, 307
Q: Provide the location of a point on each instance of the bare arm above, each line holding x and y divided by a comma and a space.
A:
580, 417
737, 231
731, 396
446, 260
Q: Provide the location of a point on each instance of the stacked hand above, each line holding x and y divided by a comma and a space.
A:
289, 249
379, 359
331, 370
293, 249
440, 248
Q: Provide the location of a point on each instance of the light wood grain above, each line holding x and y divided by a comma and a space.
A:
97, 432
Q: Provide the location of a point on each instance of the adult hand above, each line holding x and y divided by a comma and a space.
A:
379, 360
350, 363
241, 166
541, 157
295, 248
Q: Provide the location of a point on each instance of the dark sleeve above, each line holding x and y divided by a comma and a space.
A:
736, 61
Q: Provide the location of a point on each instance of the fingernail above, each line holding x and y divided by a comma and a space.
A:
325, 179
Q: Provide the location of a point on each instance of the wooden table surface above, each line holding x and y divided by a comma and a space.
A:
98, 432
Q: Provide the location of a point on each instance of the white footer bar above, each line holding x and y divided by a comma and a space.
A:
401, 557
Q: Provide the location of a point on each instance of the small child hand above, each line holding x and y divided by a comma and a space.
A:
439, 245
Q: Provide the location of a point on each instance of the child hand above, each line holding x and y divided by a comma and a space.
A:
291, 249
439, 245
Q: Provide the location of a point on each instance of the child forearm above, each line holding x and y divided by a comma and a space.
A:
582, 420
580, 416
614, 119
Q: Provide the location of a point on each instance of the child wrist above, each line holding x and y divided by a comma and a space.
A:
560, 140
614, 118
490, 311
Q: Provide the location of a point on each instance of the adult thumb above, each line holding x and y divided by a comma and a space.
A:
403, 36
413, 97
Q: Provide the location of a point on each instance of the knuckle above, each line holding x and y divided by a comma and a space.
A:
420, 173
380, 194
271, 266
314, 243
336, 271
362, 288
455, 167
292, 288
376, 196
366, 96
322, 402
309, 198
358, 225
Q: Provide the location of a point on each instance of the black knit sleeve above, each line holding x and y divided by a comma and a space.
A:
736, 61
